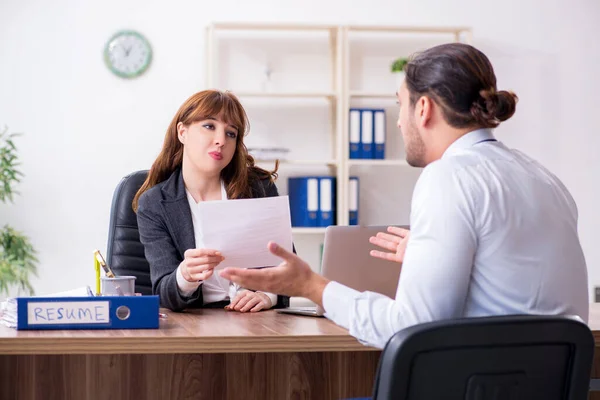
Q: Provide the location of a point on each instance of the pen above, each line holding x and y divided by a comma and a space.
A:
107, 270
97, 268
103, 264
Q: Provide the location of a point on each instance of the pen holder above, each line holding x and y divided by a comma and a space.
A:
118, 286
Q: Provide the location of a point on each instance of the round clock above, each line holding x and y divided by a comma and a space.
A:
127, 54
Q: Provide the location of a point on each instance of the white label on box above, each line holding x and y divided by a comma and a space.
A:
77, 312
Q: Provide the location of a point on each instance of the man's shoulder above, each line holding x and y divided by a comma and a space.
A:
442, 169
447, 178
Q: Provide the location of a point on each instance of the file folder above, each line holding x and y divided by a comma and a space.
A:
327, 201
354, 126
379, 134
303, 193
353, 200
94, 312
366, 134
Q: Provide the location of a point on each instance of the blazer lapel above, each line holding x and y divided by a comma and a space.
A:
177, 213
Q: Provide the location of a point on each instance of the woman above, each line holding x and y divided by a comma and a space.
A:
203, 158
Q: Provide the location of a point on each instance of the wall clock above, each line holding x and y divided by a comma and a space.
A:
127, 54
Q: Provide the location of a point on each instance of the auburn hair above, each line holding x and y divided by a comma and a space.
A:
239, 174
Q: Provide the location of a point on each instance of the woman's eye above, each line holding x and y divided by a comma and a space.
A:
209, 126
232, 135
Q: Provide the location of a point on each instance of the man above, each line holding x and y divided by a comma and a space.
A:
492, 231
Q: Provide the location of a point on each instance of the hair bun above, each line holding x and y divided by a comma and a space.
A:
493, 107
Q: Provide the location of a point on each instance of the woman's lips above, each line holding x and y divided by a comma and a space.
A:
216, 155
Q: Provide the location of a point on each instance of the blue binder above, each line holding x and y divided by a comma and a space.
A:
354, 134
353, 195
366, 134
379, 134
327, 198
303, 193
101, 312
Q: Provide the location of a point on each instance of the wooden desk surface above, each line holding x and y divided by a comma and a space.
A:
204, 331
197, 331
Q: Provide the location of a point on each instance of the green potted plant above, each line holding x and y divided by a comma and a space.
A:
17, 256
398, 69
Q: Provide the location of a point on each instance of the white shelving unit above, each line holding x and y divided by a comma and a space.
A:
338, 95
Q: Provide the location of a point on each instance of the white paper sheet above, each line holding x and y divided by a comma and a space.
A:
240, 229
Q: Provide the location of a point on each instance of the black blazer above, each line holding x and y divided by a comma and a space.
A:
166, 231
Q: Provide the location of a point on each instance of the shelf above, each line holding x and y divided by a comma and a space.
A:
271, 27
300, 162
309, 27
378, 162
329, 97
289, 95
308, 231
409, 29
382, 95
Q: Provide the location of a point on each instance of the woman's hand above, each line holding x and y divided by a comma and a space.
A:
198, 264
250, 301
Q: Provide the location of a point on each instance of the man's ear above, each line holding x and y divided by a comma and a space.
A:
181, 132
423, 111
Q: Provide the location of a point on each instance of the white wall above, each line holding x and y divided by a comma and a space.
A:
85, 129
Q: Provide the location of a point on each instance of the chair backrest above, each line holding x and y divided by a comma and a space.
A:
506, 357
125, 252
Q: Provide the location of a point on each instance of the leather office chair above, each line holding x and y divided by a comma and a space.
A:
500, 358
125, 252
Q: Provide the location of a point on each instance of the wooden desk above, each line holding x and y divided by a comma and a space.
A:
203, 354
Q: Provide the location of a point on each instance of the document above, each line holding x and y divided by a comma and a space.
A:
241, 229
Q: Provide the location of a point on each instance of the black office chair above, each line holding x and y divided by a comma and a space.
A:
500, 358
125, 252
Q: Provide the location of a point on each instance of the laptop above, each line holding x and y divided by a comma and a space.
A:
346, 260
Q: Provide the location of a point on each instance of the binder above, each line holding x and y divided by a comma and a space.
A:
366, 134
326, 201
354, 133
96, 312
303, 194
379, 134
353, 200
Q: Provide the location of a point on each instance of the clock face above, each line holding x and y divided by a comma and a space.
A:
127, 54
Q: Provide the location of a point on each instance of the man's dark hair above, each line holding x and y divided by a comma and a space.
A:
461, 80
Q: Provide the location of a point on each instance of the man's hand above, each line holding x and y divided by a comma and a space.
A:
293, 277
395, 241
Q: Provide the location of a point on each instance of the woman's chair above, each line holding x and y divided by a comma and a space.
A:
125, 252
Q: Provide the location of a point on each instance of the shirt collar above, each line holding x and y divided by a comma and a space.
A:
470, 139
223, 191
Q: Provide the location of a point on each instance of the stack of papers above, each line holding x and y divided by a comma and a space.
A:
8, 313
8, 308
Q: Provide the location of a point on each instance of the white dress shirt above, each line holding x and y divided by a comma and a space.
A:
492, 233
214, 288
